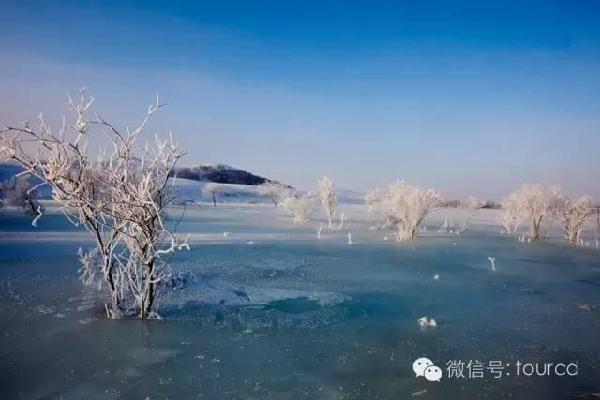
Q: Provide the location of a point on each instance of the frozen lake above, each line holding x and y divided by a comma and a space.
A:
271, 312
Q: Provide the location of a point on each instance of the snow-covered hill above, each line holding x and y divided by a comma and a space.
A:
189, 190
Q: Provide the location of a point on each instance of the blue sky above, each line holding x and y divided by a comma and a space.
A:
467, 97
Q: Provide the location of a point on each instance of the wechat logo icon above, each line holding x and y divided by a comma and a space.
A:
424, 367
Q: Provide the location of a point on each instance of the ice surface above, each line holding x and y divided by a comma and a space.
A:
293, 316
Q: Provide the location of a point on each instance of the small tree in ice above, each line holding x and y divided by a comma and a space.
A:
328, 198
274, 191
472, 204
511, 215
372, 199
120, 196
301, 208
405, 207
445, 227
211, 190
532, 202
21, 192
573, 215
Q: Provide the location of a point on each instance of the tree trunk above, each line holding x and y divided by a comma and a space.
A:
115, 303
148, 301
148, 297
535, 231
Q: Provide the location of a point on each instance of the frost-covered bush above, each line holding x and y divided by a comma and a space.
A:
328, 198
573, 215
533, 203
538, 205
471, 204
403, 206
21, 192
274, 191
301, 208
512, 214
372, 199
211, 190
119, 196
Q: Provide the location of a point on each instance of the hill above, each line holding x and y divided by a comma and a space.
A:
220, 173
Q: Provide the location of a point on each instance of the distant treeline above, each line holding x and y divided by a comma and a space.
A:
457, 203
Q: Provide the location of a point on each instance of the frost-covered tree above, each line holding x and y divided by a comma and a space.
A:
20, 192
274, 191
404, 207
119, 195
573, 215
328, 198
211, 190
512, 214
372, 199
536, 203
301, 208
471, 205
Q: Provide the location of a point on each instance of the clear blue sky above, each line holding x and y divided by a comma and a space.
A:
472, 97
